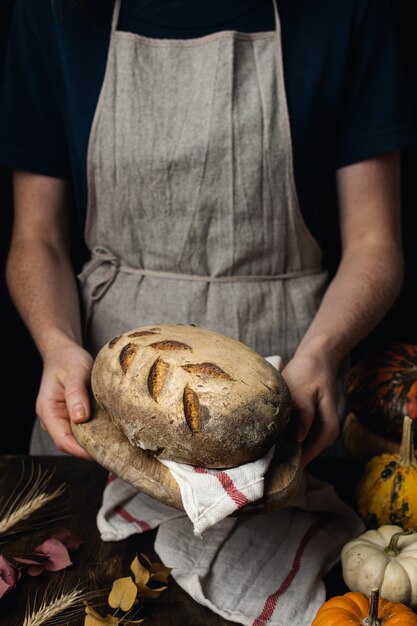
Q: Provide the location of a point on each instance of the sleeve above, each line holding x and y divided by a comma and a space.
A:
32, 130
376, 116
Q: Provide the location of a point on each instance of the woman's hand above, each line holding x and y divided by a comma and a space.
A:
63, 395
312, 384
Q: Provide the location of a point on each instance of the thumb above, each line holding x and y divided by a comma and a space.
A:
77, 400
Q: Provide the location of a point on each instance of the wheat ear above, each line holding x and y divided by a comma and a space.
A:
50, 609
27, 497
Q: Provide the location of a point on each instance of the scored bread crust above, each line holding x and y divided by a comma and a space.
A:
190, 395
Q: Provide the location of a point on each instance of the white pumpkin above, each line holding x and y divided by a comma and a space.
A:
385, 558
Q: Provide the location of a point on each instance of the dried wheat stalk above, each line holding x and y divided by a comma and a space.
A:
29, 496
50, 609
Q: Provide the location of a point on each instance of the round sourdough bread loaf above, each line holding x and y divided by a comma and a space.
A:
191, 395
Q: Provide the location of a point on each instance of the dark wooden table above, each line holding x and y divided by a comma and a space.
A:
97, 564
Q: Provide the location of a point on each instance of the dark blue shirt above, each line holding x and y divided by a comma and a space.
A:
345, 91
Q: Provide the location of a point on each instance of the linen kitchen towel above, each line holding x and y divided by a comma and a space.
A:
263, 570
260, 570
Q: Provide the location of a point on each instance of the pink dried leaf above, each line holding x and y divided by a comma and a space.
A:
66, 537
58, 557
4, 588
30, 559
9, 576
8, 573
35, 570
5, 564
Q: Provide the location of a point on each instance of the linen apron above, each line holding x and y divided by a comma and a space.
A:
193, 215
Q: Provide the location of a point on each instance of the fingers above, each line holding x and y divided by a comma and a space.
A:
59, 430
77, 400
53, 406
324, 430
312, 386
55, 420
315, 424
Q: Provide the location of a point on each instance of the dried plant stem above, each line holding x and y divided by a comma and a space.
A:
52, 608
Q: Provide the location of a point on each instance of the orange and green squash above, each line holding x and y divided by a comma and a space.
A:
387, 491
381, 389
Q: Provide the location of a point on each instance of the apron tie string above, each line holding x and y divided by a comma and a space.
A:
100, 256
103, 256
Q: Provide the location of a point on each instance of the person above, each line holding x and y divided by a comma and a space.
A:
200, 146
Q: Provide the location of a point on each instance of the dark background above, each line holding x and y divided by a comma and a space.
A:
21, 369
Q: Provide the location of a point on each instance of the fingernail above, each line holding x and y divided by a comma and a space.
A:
78, 412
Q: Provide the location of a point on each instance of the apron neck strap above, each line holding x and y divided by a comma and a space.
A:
277, 20
116, 13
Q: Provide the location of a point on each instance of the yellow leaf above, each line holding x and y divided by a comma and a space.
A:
93, 618
147, 592
140, 573
147, 560
159, 572
130, 621
123, 594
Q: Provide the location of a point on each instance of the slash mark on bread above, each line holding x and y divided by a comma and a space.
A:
127, 355
157, 377
207, 368
191, 409
143, 333
169, 344
114, 341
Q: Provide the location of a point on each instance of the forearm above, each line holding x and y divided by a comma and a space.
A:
370, 273
365, 286
42, 285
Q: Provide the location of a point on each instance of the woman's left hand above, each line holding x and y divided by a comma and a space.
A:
315, 422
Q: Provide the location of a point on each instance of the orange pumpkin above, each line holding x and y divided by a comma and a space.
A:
356, 608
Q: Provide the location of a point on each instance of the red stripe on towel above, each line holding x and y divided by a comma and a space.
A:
272, 600
119, 510
228, 485
110, 478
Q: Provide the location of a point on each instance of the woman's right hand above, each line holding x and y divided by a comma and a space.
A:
63, 395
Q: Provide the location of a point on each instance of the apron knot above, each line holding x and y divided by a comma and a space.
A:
100, 256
